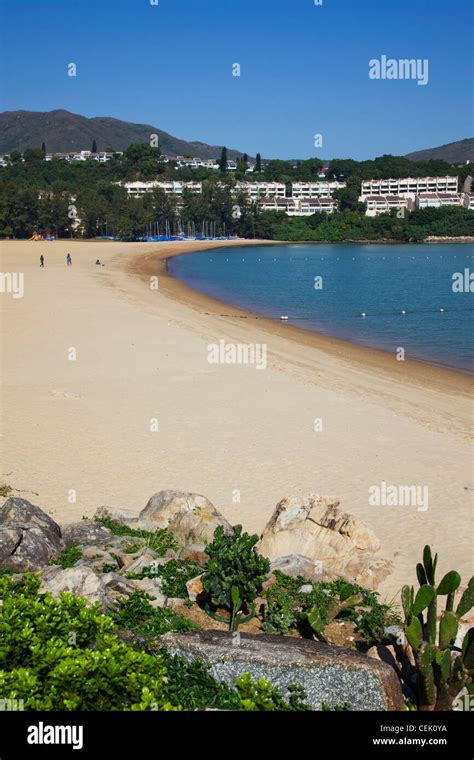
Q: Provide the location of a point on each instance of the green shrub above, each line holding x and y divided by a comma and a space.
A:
288, 608
160, 541
69, 556
234, 561
174, 575
63, 654
136, 614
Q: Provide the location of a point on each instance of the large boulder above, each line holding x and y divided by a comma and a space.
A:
86, 532
80, 580
29, 538
316, 528
189, 516
330, 675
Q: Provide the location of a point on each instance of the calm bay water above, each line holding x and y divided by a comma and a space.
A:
380, 280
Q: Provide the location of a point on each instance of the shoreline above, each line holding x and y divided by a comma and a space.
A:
83, 426
156, 264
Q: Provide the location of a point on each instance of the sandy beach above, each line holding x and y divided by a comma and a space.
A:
139, 408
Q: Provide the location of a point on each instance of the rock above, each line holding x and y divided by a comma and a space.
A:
296, 564
383, 653
151, 586
194, 552
195, 588
146, 558
332, 675
80, 580
116, 586
306, 588
96, 558
86, 532
123, 516
29, 538
314, 527
174, 602
191, 517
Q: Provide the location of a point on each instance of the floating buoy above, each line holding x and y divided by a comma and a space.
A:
363, 314
403, 311
441, 309
284, 316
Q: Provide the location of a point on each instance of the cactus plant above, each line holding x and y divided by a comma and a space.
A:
442, 669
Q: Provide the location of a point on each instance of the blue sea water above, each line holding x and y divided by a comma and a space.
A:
380, 280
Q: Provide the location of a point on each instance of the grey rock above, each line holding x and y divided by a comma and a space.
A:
191, 517
29, 538
86, 532
146, 558
328, 674
80, 580
306, 588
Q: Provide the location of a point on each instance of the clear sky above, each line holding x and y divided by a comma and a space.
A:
304, 70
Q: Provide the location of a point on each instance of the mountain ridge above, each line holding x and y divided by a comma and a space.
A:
62, 131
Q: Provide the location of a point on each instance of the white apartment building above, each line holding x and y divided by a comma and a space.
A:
258, 190
288, 205
170, 188
296, 207
438, 200
315, 189
409, 187
194, 163
310, 206
83, 155
383, 204
468, 200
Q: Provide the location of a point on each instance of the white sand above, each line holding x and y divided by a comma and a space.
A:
84, 426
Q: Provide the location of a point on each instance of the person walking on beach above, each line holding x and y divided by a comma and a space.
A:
41, 260
69, 259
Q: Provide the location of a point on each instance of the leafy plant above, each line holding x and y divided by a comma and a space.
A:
69, 556
442, 669
136, 614
318, 618
160, 540
174, 575
263, 696
5, 490
64, 654
288, 608
233, 562
109, 568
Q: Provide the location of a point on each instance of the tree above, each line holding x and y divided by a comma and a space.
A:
94, 147
223, 161
32, 156
258, 163
15, 157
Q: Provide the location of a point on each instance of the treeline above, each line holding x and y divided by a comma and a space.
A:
84, 199
351, 225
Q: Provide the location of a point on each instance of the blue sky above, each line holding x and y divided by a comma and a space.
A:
304, 70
